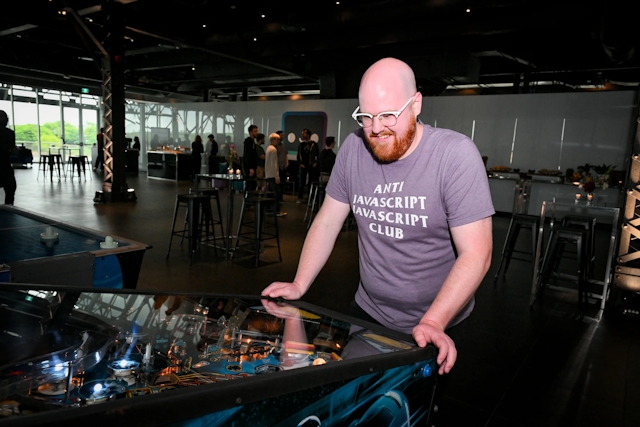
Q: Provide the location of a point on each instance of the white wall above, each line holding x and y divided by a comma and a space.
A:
553, 131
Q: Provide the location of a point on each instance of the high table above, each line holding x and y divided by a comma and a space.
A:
229, 179
559, 208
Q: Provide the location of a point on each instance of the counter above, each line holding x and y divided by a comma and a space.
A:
171, 165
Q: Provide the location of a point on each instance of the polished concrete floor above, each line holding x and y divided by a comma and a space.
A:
518, 366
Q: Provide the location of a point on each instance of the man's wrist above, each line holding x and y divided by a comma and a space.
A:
433, 323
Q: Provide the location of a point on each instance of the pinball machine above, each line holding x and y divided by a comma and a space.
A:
78, 357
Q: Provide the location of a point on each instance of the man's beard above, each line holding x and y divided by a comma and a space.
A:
388, 152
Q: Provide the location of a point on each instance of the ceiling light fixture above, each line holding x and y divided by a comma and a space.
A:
204, 25
255, 39
468, 10
193, 68
262, 16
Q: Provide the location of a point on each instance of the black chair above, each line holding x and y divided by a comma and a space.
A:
207, 217
254, 226
316, 197
560, 236
518, 222
589, 224
195, 205
51, 163
79, 164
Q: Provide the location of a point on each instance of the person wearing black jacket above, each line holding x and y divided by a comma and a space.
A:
212, 152
304, 157
327, 158
7, 146
250, 158
196, 155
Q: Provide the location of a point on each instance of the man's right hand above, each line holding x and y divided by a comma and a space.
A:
284, 290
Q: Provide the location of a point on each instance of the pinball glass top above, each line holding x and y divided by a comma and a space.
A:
76, 348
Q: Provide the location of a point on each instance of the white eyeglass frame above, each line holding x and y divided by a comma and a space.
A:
355, 114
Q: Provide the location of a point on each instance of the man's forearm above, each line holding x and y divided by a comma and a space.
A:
458, 288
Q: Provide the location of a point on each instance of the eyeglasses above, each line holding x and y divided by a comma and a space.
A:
386, 118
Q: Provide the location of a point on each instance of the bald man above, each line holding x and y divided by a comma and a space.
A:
415, 192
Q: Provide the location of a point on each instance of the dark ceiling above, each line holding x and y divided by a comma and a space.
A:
229, 50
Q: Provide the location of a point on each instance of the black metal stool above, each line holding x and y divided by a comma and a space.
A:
207, 217
256, 229
518, 221
195, 204
589, 224
316, 196
558, 238
78, 163
50, 162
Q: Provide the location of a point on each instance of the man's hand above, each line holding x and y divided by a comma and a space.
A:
425, 333
284, 290
277, 180
251, 172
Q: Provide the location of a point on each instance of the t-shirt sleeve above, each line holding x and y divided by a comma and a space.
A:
465, 186
337, 186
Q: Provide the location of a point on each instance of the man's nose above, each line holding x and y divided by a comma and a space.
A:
376, 126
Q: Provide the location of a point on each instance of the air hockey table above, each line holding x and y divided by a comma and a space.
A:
37, 249
118, 357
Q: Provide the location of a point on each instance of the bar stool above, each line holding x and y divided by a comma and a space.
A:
52, 163
316, 196
316, 201
518, 221
195, 204
256, 230
77, 162
558, 237
207, 217
589, 224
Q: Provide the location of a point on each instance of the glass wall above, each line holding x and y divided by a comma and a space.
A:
42, 117
25, 118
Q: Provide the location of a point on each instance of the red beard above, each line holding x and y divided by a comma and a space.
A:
395, 146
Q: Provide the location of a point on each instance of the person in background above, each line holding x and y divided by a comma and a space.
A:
249, 158
7, 146
283, 160
314, 161
136, 143
327, 159
303, 162
212, 155
260, 157
420, 196
196, 155
271, 171
100, 157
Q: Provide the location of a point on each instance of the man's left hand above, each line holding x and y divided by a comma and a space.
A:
425, 333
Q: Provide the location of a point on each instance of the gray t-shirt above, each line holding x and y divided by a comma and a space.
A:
404, 210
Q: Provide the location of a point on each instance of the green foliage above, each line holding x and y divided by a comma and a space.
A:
50, 133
